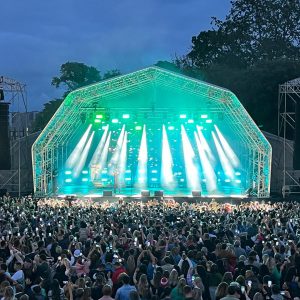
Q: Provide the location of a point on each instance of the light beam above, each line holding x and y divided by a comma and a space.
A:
226, 165
208, 171
167, 178
142, 162
74, 156
97, 154
227, 149
83, 156
191, 171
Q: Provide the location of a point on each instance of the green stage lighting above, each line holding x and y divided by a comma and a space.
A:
68, 172
208, 121
138, 127
97, 121
115, 121
85, 172
190, 121
68, 180
171, 127
183, 116
204, 116
126, 116
84, 179
99, 116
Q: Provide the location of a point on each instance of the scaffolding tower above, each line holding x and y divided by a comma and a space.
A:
288, 96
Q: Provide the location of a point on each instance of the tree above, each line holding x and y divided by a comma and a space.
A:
251, 52
253, 31
73, 75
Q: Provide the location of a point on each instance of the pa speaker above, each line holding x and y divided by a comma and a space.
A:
158, 193
107, 193
145, 193
4, 137
196, 193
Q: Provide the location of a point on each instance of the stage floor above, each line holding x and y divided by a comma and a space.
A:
82, 191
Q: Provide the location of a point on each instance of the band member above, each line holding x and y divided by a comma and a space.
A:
116, 181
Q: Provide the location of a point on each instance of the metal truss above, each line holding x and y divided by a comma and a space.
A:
105, 94
288, 96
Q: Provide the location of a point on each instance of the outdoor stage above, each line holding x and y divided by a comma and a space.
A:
152, 130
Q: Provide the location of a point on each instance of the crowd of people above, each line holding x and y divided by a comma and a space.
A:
55, 249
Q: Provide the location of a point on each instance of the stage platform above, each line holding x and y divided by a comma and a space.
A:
179, 199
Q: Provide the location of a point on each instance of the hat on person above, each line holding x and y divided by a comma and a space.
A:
77, 253
164, 281
242, 258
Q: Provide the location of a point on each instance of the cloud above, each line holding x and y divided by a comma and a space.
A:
36, 37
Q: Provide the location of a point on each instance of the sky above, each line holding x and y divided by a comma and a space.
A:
38, 36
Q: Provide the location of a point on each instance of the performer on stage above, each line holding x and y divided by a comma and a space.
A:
116, 181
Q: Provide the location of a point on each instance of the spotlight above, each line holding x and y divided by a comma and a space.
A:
126, 116
115, 121
183, 116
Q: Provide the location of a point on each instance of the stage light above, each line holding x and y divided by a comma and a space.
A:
104, 172
153, 179
76, 153
68, 180
209, 174
167, 177
85, 172
99, 116
208, 121
83, 156
171, 127
226, 165
192, 175
97, 121
237, 173
238, 181
183, 116
126, 116
138, 127
84, 179
204, 116
154, 171
190, 121
128, 171
227, 180
127, 179
115, 121
227, 149
68, 172
142, 162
